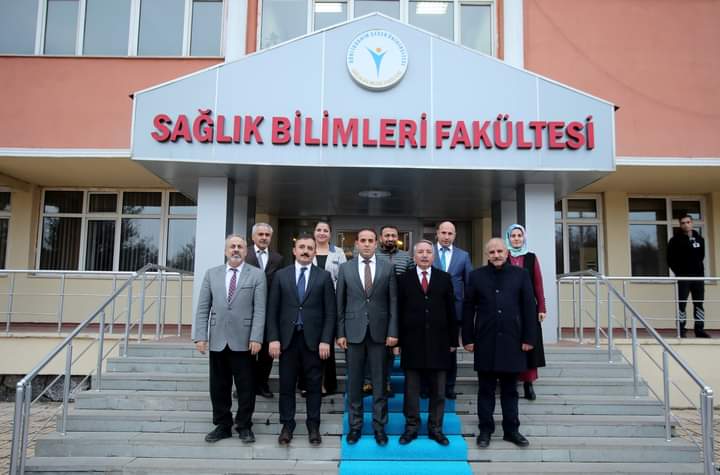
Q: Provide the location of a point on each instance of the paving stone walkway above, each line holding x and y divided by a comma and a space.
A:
41, 411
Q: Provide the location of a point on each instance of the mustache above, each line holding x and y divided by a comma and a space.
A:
305, 254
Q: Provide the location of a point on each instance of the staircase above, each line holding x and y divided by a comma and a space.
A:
154, 410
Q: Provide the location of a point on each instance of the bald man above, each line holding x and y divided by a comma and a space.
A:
499, 326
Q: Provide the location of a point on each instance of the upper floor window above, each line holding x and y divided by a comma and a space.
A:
469, 22
111, 27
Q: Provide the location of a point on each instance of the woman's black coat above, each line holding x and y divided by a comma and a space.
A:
499, 316
428, 327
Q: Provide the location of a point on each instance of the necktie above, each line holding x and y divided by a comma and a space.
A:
261, 259
443, 261
301, 297
368, 276
233, 284
424, 282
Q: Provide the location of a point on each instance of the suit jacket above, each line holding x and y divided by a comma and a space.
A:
235, 323
274, 262
428, 326
318, 308
376, 311
499, 316
459, 269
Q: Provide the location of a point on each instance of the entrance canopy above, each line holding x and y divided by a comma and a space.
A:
373, 105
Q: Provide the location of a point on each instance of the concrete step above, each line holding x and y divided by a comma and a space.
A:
177, 445
465, 403
586, 449
572, 468
144, 466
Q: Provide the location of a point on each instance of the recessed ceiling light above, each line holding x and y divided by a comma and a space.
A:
374, 194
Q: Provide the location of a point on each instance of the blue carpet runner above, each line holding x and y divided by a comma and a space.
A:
419, 457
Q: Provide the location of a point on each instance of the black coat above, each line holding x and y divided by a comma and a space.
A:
498, 316
274, 263
318, 308
536, 356
685, 254
428, 327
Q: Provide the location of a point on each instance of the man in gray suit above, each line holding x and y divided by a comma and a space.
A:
367, 324
230, 321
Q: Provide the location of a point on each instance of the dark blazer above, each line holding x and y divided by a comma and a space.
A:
318, 308
459, 269
356, 311
274, 263
499, 315
428, 327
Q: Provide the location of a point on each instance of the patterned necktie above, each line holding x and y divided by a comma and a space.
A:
301, 297
261, 259
424, 282
368, 277
233, 284
443, 261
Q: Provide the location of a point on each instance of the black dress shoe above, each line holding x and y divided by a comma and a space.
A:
247, 436
407, 437
218, 433
701, 333
264, 391
381, 437
450, 395
529, 391
516, 438
314, 437
285, 436
353, 436
483, 440
439, 437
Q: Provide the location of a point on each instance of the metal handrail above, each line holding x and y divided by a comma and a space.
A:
706, 392
23, 396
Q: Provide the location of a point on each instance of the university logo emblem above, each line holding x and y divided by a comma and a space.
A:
377, 59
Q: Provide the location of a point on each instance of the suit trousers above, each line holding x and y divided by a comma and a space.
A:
411, 404
263, 366
226, 366
296, 360
376, 354
487, 381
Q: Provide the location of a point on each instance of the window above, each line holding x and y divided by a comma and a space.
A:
577, 235
653, 221
116, 230
18, 20
4, 225
469, 22
112, 27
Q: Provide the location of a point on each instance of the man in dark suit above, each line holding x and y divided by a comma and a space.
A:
300, 324
230, 322
428, 334
499, 326
367, 323
260, 255
455, 262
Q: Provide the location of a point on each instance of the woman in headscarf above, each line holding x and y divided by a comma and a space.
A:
516, 242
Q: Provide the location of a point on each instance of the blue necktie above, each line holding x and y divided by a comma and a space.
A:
301, 297
443, 251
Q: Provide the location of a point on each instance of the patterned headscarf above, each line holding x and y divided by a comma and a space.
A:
516, 251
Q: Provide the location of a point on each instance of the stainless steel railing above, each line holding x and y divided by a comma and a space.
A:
123, 295
579, 280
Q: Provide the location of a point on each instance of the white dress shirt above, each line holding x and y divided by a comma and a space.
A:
448, 255
297, 273
420, 271
229, 274
262, 258
361, 268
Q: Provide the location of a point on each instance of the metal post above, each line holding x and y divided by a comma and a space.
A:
18, 449
636, 370
580, 311
625, 296
128, 320
158, 304
666, 394
676, 309
61, 304
10, 302
26, 423
101, 345
164, 289
180, 306
706, 413
66, 387
597, 312
574, 313
142, 307
112, 311
609, 324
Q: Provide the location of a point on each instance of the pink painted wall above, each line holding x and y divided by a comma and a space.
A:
53, 102
659, 60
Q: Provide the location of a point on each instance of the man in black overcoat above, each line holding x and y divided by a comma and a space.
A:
427, 337
499, 326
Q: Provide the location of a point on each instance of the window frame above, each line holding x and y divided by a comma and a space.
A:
598, 221
6, 215
118, 216
670, 223
133, 31
404, 17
